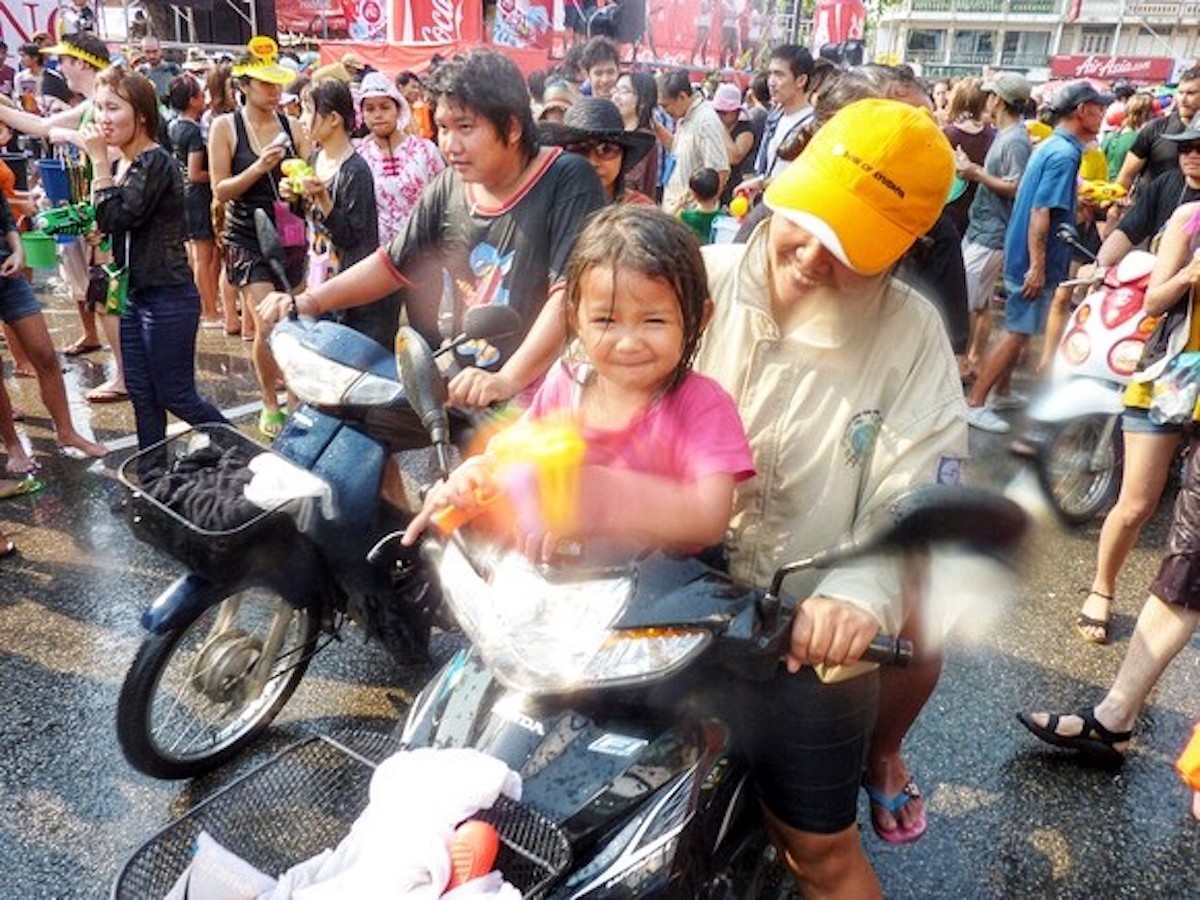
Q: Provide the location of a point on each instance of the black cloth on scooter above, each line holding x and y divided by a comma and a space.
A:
206, 487
934, 266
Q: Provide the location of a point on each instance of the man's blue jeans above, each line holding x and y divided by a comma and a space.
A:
158, 344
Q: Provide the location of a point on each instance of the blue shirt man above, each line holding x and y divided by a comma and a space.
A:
1035, 261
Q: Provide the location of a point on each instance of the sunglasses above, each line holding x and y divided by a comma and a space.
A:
1189, 147
599, 149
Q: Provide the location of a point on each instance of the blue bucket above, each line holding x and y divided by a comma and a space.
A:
55, 181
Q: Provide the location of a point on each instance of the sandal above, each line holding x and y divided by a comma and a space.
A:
271, 421
10, 488
897, 835
80, 347
1084, 622
1094, 742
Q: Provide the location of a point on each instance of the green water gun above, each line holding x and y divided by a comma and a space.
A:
75, 219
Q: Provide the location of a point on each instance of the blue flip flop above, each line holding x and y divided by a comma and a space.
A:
897, 835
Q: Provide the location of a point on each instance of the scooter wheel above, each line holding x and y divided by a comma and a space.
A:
1079, 467
190, 703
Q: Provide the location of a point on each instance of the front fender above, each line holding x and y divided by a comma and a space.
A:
186, 597
1076, 399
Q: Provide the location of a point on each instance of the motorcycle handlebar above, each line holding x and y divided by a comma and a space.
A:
889, 651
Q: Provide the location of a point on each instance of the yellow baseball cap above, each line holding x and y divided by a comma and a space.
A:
263, 63
871, 181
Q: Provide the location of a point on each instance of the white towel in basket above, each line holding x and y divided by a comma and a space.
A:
399, 846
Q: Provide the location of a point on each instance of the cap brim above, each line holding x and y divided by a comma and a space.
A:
958, 187
843, 213
1187, 134
272, 74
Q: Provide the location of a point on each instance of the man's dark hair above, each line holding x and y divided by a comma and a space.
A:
404, 78
31, 50
572, 64
676, 82
760, 89
598, 50
330, 95
490, 84
705, 184
798, 59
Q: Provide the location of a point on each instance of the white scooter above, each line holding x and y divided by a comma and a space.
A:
1073, 423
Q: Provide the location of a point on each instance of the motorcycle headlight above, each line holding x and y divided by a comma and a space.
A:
323, 382
538, 636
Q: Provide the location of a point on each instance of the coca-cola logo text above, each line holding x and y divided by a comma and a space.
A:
443, 27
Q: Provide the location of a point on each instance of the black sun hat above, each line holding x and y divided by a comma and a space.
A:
594, 119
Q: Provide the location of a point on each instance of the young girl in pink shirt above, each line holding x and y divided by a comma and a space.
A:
664, 445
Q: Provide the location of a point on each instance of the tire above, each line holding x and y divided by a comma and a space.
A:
1080, 477
163, 701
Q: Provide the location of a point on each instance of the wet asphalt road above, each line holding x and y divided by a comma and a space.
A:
1007, 817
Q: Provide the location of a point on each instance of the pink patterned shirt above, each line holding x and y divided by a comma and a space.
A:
399, 179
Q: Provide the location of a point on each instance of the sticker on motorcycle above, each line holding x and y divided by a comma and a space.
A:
617, 745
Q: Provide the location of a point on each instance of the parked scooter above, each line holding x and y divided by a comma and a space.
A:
1073, 423
595, 686
229, 641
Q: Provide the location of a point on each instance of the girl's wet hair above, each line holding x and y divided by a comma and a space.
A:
654, 245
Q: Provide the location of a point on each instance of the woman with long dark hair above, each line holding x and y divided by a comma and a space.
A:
636, 96
140, 206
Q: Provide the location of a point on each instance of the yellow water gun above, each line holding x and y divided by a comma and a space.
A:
295, 170
536, 465
1100, 193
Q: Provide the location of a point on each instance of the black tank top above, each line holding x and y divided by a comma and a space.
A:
239, 212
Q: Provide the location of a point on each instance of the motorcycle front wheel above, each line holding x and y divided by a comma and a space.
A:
191, 701
1079, 467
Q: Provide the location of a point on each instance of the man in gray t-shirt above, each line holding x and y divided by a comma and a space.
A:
983, 243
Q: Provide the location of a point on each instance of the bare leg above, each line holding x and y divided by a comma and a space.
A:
1056, 324
1148, 460
36, 338
112, 335
999, 362
825, 865
264, 363
1162, 631
229, 304
981, 332
22, 367
200, 253
73, 269
19, 462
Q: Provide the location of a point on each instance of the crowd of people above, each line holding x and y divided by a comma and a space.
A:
770, 392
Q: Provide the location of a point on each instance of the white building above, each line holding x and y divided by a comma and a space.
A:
1141, 40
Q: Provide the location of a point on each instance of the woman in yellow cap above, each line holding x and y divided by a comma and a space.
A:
246, 149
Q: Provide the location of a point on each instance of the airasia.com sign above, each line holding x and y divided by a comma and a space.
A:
1107, 68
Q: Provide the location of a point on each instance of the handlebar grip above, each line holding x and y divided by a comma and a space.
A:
889, 651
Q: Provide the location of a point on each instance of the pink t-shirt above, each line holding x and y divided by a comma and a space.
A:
690, 433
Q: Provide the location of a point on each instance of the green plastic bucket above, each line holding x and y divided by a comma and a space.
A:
40, 250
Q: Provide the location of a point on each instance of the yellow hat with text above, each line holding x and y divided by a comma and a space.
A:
871, 181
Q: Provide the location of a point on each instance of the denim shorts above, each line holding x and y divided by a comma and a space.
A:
16, 299
1137, 420
1025, 316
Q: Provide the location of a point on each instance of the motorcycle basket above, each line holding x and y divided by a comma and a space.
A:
208, 552
304, 800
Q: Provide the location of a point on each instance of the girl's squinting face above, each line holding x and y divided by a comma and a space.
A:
631, 331
381, 115
115, 118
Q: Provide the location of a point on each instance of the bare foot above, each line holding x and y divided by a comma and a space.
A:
1196, 804
888, 776
1094, 617
20, 462
24, 372
81, 444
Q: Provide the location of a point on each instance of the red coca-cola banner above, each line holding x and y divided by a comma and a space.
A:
436, 21
1108, 68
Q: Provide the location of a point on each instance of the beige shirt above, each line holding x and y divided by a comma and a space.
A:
699, 144
861, 401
